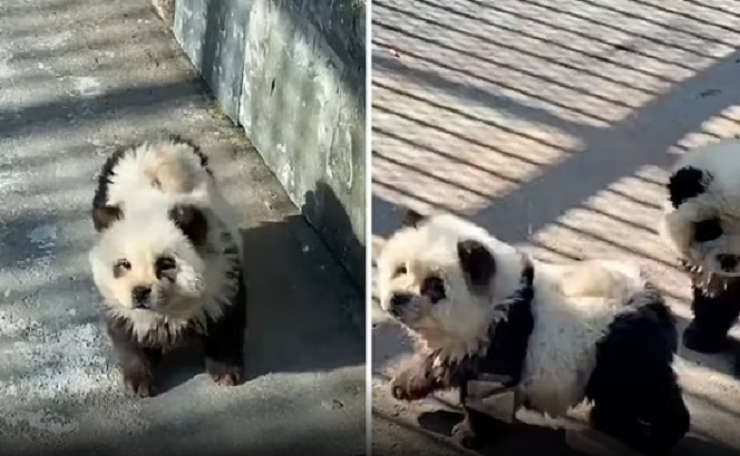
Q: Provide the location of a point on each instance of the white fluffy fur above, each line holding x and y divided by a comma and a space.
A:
721, 199
147, 182
172, 172
574, 303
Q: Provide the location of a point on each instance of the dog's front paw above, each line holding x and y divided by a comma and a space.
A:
411, 384
140, 384
225, 374
464, 435
702, 341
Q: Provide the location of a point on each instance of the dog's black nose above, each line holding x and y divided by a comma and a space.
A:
141, 295
727, 262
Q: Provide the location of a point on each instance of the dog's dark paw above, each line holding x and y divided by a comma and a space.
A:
702, 342
464, 435
225, 374
411, 384
140, 384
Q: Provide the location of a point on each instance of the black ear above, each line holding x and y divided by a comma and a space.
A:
477, 262
104, 216
191, 221
686, 183
412, 218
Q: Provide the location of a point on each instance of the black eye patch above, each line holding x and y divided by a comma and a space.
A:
433, 288
707, 230
164, 265
399, 271
120, 268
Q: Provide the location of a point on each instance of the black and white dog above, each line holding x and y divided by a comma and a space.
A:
167, 261
591, 330
702, 224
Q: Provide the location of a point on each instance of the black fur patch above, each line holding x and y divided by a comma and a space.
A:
636, 396
192, 222
707, 230
100, 199
716, 307
477, 262
104, 216
412, 219
687, 183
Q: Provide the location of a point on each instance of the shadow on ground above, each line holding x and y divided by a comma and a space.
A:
296, 301
521, 438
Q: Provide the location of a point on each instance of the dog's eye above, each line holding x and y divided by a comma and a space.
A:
707, 230
400, 270
433, 288
121, 267
164, 264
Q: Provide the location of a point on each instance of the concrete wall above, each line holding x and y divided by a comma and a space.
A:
292, 73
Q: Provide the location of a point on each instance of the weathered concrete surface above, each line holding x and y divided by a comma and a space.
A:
211, 33
303, 106
551, 123
292, 73
77, 77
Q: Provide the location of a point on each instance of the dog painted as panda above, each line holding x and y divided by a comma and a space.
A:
591, 330
701, 223
167, 261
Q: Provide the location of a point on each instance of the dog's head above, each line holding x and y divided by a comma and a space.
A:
702, 217
441, 277
149, 260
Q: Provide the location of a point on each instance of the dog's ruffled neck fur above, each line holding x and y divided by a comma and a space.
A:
710, 284
502, 351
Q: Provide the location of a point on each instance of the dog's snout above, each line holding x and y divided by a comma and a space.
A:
727, 262
141, 295
398, 301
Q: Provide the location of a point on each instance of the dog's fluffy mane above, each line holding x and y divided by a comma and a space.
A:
161, 194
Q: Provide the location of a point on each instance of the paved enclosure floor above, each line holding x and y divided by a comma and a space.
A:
552, 124
76, 78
